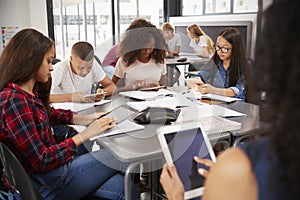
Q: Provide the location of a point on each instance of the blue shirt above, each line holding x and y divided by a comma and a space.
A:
218, 77
267, 170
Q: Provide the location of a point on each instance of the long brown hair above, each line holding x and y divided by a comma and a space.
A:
196, 31
22, 58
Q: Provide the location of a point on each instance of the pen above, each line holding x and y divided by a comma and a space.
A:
181, 106
104, 115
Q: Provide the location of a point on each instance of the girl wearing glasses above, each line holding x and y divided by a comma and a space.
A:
226, 73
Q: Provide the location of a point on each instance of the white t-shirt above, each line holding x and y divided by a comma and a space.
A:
198, 47
174, 42
65, 81
149, 72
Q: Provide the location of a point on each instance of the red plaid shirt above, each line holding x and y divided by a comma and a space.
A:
25, 129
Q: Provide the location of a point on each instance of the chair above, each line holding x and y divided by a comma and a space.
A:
98, 60
55, 60
17, 176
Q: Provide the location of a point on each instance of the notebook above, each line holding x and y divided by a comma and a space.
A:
180, 143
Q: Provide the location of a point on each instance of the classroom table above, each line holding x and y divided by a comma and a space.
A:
142, 146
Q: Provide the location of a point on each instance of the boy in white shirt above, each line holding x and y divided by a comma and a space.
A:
73, 78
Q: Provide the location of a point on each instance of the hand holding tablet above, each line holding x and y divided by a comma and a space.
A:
180, 144
196, 80
154, 88
96, 97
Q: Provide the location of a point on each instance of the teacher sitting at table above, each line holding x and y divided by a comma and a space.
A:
227, 72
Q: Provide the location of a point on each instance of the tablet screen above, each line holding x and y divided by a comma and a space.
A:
121, 113
183, 145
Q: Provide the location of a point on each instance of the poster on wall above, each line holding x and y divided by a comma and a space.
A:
7, 33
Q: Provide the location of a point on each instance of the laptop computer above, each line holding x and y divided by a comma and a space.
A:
180, 143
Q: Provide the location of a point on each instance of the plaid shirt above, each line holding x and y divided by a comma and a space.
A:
25, 129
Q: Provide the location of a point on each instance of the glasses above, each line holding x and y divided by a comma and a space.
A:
223, 49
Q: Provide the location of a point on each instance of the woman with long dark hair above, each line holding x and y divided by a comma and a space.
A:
227, 72
25, 127
269, 168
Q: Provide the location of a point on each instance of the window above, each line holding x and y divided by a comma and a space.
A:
92, 21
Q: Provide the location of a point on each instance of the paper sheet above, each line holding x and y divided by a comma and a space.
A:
170, 102
145, 95
205, 111
197, 95
76, 107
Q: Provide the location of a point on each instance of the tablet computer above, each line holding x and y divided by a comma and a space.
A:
121, 113
180, 143
94, 95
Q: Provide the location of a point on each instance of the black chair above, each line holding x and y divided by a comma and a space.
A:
55, 60
98, 60
17, 176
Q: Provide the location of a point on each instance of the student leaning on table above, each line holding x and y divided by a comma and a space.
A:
267, 169
25, 128
111, 58
141, 63
200, 42
72, 78
227, 72
174, 44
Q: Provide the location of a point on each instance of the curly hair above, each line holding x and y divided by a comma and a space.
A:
278, 72
137, 39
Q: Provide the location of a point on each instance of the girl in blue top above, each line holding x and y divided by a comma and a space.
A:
227, 72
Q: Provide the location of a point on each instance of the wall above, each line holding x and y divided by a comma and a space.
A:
24, 14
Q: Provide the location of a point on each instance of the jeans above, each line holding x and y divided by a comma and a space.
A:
96, 174
62, 132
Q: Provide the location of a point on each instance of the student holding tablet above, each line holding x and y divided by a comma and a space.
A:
72, 79
142, 63
266, 169
180, 144
55, 169
227, 72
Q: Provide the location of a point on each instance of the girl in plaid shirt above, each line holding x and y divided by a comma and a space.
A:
25, 127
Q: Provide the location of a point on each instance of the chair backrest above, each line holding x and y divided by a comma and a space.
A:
55, 60
17, 176
98, 60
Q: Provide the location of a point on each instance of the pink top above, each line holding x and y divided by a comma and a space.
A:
111, 57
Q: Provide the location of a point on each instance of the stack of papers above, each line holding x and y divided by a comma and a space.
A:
76, 107
170, 102
205, 111
213, 125
145, 95
197, 95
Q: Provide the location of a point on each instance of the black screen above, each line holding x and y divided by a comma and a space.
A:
184, 145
